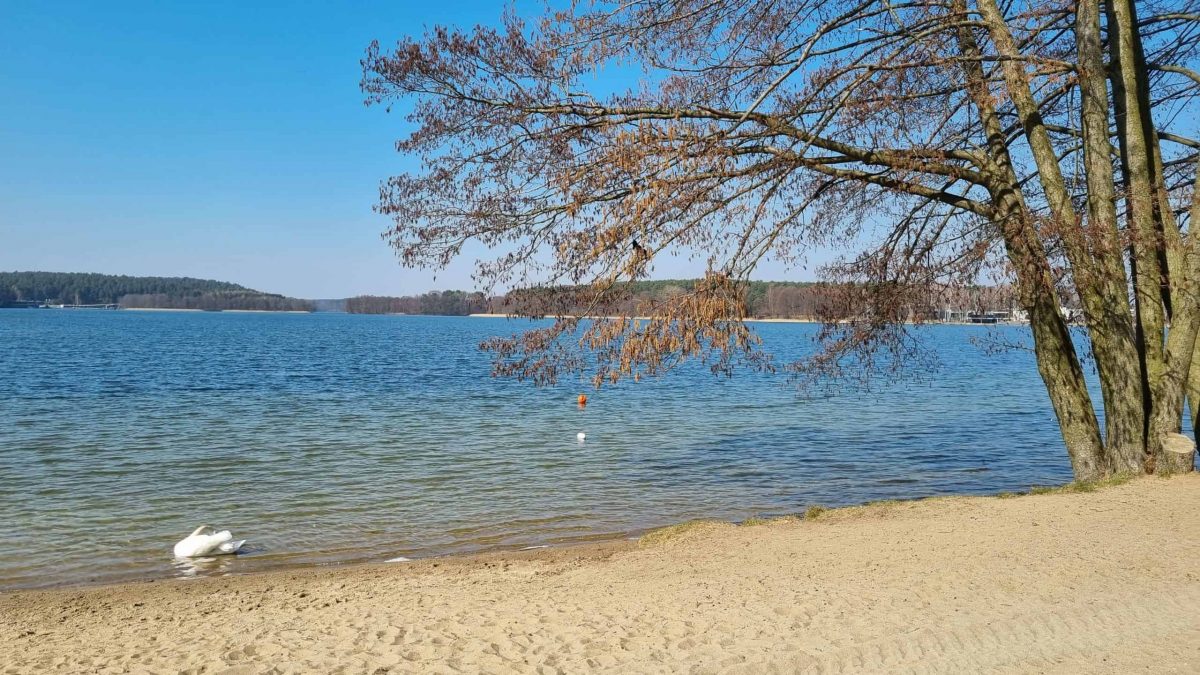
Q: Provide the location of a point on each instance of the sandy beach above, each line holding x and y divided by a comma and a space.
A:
1097, 582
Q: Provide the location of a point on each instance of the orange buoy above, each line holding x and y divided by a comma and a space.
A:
582, 400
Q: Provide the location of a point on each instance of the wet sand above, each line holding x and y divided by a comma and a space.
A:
1098, 582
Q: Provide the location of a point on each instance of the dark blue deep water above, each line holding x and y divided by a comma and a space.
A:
332, 438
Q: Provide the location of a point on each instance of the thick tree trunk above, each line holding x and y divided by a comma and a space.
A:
1145, 262
1109, 321
1063, 377
1178, 366
1183, 369
1166, 269
1057, 360
1094, 252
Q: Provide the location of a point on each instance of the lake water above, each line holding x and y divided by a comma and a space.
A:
332, 438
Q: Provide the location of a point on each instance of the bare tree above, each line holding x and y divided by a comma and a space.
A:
937, 142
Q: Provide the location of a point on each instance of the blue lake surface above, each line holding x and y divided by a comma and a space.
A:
332, 438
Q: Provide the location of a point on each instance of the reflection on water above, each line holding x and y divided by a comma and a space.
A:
211, 566
324, 439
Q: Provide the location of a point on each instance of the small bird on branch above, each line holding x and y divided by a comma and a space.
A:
640, 257
639, 253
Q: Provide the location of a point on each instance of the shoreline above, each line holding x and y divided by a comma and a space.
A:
958, 584
215, 311
769, 320
285, 562
538, 551
547, 554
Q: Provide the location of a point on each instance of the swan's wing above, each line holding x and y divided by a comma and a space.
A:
199, 545
195, 546
185, 548
231, 546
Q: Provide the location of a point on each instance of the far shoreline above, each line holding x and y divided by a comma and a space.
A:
215, 311
486, 315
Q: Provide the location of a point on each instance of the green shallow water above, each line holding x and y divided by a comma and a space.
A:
328, 438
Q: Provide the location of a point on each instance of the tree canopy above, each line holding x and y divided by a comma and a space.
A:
933, 144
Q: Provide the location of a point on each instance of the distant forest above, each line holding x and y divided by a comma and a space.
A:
446, 303
19, 288
764, 300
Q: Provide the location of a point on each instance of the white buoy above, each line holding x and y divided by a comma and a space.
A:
581, 436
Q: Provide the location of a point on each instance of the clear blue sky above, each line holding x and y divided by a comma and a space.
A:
218, 139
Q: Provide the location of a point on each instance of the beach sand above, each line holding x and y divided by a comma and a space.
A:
1098, 582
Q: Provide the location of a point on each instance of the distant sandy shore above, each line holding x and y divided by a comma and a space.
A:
1101, 582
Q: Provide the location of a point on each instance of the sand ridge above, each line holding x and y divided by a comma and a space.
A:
1102, 582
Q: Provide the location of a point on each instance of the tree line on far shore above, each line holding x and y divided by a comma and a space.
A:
231, 300
762, 299
445, 303
75, 288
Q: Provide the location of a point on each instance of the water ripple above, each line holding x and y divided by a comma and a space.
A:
332, 438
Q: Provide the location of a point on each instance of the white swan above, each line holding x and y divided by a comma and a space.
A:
581, 436
198, 544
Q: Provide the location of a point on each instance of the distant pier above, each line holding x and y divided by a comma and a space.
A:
43, 304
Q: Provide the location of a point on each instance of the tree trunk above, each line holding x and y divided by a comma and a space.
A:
1183, 370
1058, 363
1132, 128
1109, 321
1063, 377
1057, 360
1094, 253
